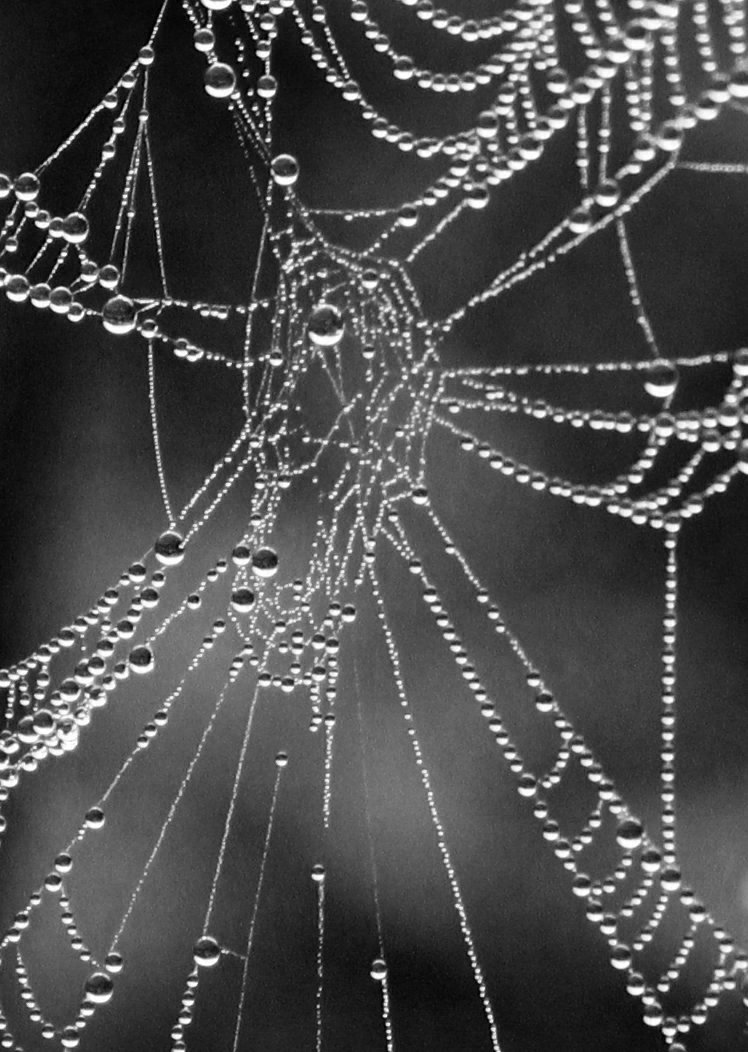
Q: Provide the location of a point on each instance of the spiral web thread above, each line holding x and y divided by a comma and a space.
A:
350, 321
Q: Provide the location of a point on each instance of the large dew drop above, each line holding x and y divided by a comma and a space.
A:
75, 228
220, 80
99, 988
141, 660
169, 548
285, 169
325, 326
629, 834
661, 380
26, 187
207, 952
265, 562
242, 600
119, 315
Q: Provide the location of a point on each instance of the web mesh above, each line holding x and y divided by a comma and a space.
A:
327, 663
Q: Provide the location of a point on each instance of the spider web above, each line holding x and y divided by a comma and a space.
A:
265, 655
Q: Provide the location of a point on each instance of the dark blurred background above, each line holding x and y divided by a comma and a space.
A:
79, 501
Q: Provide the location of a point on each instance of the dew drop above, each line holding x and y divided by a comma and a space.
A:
407, 216
119, 315
242, 600
26, 187
267, 86
141, 660
43, 723
63, 863
325, 326
204, 39
651, 860
670, 879
620, 956
629, 834
661, 379
99, 988
652, 1015
370, 280
265, 563
53, 882
477, 196
109, 276
95, 818
113, 963
40, 295
220, 80
285, 169
580, 220
207, 952
169, 548
60, 300
17, 288
241, 555
635, 984
608, 193
75, 228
